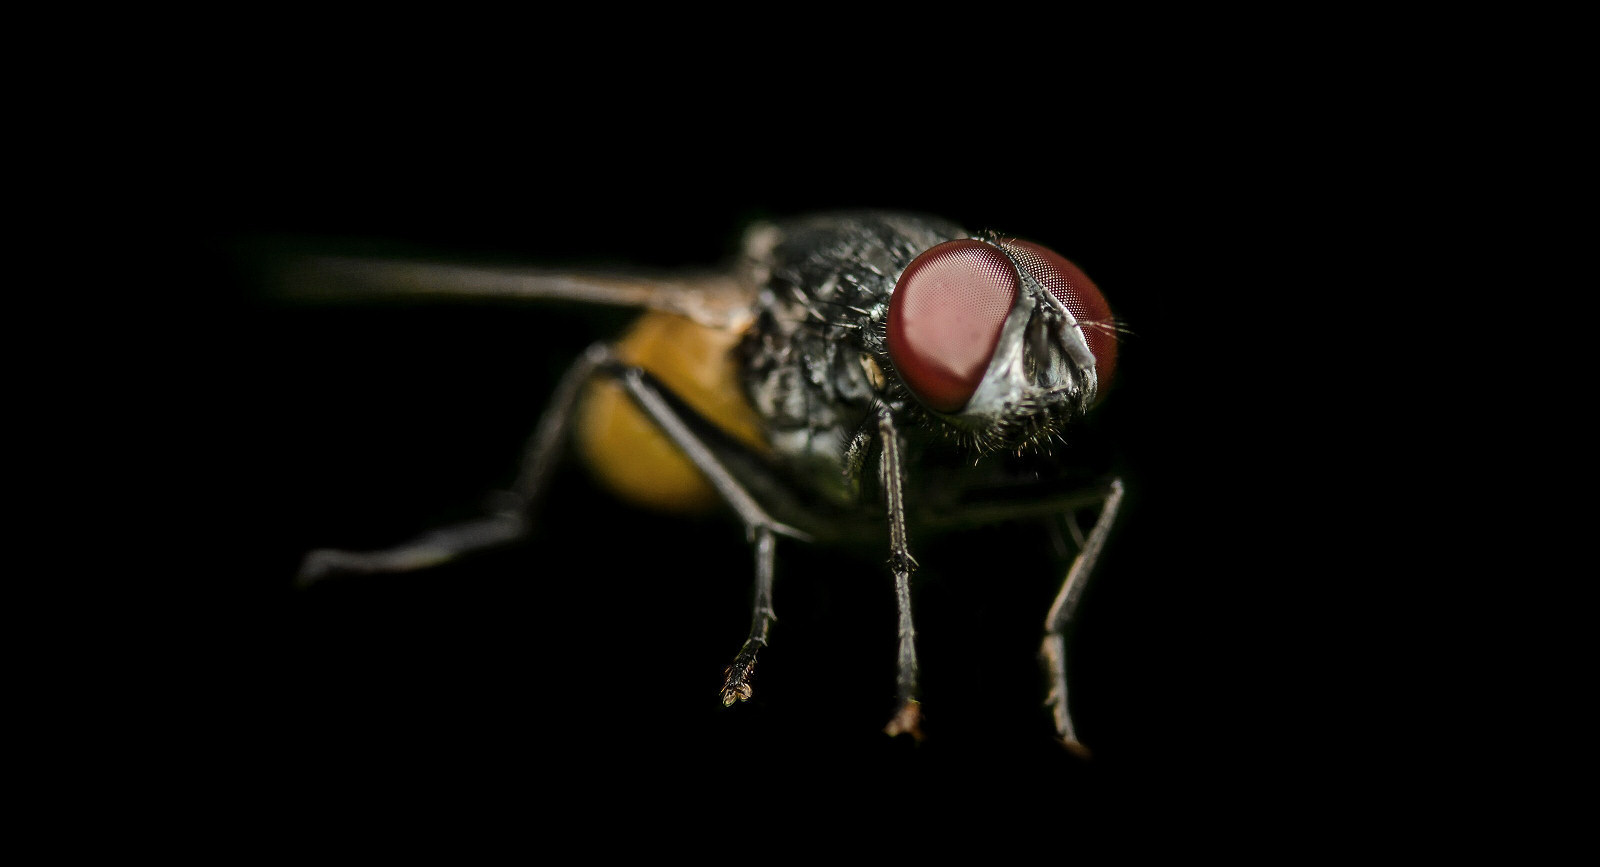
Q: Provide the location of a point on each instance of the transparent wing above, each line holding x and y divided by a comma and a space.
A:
720, 300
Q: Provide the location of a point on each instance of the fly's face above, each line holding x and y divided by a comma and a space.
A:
1001, 340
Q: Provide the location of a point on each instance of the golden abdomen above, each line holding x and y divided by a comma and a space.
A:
626, 451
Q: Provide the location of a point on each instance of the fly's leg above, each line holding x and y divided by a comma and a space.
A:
508, 519
736, 680
1054, 650
680, 422
908, 719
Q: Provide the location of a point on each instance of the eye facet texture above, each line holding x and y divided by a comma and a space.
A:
945, 319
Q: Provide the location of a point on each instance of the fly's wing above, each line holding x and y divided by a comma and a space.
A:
718, 300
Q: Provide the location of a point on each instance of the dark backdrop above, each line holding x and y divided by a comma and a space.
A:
588, 659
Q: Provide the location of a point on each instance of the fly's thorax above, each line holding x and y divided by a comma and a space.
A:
798, 379
814, 364
627, 451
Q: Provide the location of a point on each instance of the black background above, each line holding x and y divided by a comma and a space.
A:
586, 662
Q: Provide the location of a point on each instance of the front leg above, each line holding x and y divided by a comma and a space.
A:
908, 719
1054, 649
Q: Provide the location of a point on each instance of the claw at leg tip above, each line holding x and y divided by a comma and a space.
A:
1077, 749
735, 692
907, 721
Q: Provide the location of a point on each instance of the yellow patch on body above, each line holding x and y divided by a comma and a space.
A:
627, 451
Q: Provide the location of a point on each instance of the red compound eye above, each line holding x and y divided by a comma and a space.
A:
945, 318
1078, 294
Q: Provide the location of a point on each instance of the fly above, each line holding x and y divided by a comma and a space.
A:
854, 376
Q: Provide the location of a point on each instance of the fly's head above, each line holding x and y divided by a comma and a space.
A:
1001, 340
